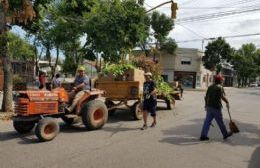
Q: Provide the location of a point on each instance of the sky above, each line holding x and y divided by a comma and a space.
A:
204, 19
207, 19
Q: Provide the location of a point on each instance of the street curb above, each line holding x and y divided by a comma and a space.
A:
196, 90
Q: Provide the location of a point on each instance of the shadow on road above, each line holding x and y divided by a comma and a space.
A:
255, 159
24, 138
121, 115
30, 138
118, 128
189, 134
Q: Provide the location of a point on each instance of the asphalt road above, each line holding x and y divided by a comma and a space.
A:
121, 144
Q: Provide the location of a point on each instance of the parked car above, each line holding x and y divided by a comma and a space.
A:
253, 84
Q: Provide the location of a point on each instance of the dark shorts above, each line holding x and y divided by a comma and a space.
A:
150, 106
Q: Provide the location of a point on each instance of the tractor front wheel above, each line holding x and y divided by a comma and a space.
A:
47, 129
23, 127
94, 114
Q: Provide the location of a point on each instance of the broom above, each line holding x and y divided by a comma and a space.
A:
232, 126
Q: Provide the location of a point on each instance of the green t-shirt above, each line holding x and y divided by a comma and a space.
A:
214, 95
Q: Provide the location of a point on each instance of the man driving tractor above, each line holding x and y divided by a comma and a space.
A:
81, 85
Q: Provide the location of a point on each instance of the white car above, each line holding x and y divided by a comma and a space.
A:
253, 84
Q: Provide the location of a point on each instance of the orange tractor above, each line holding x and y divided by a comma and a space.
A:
41, 107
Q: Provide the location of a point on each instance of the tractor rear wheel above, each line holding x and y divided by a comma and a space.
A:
23, 127
94, 114
137, 111
47, 129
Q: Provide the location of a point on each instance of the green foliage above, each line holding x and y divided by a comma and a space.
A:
169, 45
162, 25
117, 69
163, 88
245, 61
17, 79
146, 64
114, 28
217, 51
15, 4
69, 66
19, 48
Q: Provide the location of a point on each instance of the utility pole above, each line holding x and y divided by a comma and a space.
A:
174, 8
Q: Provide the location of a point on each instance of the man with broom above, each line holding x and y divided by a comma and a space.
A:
213, 105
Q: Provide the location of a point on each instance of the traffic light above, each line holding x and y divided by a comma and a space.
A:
174, 9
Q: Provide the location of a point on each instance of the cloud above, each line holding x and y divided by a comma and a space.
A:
246, 23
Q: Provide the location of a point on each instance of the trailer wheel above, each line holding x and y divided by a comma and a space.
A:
47, 129
23, 127
168, 104
94, 114
137, 111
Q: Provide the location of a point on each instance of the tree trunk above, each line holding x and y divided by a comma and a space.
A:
7, 104
56, 62
8, 85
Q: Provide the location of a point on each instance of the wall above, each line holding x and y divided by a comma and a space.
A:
172, 63
186, 53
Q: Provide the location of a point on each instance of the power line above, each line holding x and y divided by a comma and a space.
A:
187, 2
230, 4
197, 34
148, 5
217, 15
212, 38
210, 8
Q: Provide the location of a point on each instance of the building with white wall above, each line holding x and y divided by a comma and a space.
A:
186, 66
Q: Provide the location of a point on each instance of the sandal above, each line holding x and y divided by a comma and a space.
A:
153, 124
144, 127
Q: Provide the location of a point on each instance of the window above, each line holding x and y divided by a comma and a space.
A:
165, 78
186, 61
204, 78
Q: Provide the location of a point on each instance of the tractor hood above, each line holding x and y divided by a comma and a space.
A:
40, 95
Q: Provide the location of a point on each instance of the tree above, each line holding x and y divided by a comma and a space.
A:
217, 52
245, 63
18, 48
73, 56
258, 62
170, 46
162, 25
69, 20
114, 28
13, 12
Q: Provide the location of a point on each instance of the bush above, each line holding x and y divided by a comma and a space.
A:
163, 88
117, 70
17, 79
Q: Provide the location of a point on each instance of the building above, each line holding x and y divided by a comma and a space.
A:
24, 69
228, 73
186, 66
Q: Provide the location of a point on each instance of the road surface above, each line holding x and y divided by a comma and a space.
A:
121, 144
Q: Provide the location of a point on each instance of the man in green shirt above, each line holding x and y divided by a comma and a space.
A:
213, 105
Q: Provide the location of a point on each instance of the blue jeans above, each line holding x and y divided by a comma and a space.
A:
217, 115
